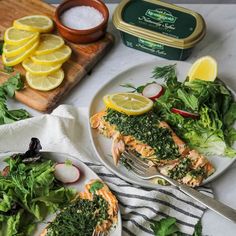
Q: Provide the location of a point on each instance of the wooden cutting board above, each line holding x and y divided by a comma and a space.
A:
83, 59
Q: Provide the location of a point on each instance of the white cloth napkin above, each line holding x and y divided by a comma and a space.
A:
66, 131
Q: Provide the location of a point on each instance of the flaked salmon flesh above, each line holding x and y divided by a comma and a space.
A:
121, 142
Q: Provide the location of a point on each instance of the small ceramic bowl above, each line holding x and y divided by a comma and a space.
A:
82, 36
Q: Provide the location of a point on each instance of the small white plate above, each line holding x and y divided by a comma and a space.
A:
137, 76
86, 175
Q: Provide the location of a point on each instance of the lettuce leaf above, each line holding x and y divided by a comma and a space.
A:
29, 193
214, 132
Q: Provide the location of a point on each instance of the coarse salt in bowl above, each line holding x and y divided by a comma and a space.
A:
82, 21
81, 18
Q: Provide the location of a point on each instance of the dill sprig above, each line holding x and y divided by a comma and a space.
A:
164, 72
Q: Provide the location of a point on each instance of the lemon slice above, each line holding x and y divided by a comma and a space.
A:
14, 36
49, 43
205, 68
38, 69
58, 57
12, 61
35, 23
14, 50
45, 83
128, 103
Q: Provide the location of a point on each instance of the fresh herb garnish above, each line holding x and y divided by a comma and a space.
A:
165, 72
135, 89
79, 218
145, 129
179, 171
7, 89
167, 227
97, 185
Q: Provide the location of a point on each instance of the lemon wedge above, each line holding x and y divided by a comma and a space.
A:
12, 61
49, 43
14, 50
38, 69
14, 36
35, 23
128, 103
205, 68
45, 83
58, 57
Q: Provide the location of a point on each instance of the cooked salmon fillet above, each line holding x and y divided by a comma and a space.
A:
108, 196
197, 166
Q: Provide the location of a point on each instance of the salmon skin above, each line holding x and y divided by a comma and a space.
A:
188, 166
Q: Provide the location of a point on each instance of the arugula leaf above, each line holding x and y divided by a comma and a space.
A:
190, 100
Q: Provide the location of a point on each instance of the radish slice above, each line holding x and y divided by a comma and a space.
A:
185, 113
66, 173
153, 91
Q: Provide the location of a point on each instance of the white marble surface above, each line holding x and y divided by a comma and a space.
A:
220, 42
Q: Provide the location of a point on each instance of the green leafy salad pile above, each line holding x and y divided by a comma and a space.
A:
7, 89
29, 192
212, 104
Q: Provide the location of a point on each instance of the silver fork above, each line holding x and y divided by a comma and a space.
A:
142, 169
98, 233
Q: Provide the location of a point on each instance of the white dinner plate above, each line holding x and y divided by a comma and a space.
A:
86, 175
137, 76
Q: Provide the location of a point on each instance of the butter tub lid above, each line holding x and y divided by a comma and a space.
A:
160, 22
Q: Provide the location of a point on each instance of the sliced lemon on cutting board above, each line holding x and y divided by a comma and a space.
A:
45, 83
14, 50
38, 69
14, 36
57, 57
12, 61
49, 43
205, 68
128, 103
34, 23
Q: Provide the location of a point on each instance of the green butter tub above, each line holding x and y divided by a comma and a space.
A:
159, 28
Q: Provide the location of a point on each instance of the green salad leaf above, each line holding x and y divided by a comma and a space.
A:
7, 89
29, 192
168, 227
213, 132
198, 229
165, 227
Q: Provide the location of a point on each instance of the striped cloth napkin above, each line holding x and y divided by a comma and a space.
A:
66, 131
139, 206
